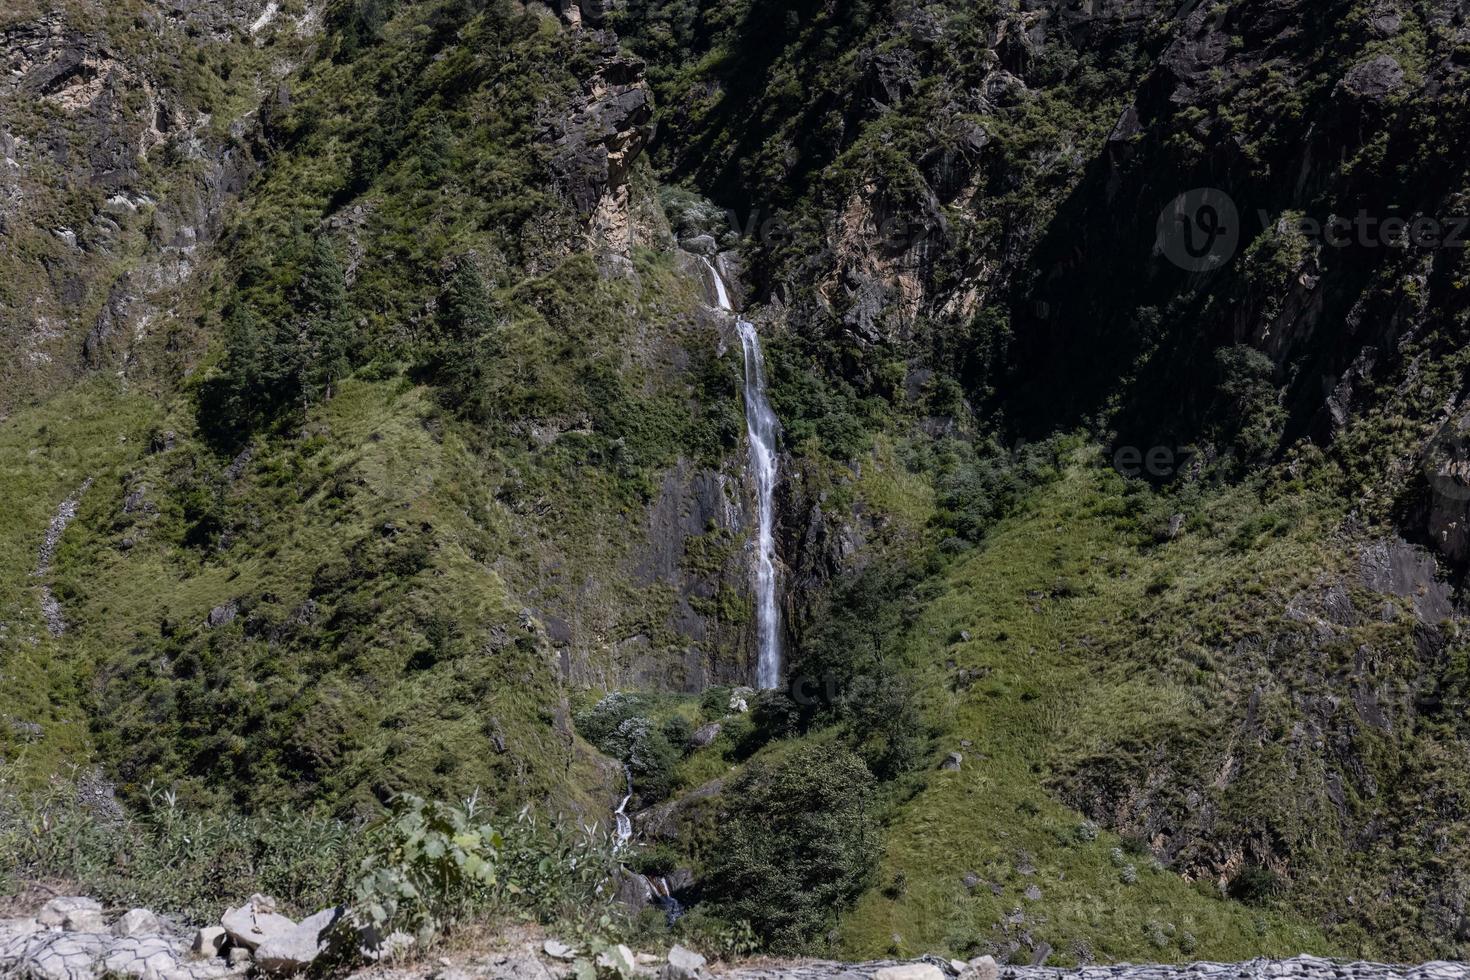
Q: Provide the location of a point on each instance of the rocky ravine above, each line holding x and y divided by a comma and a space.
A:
74, 938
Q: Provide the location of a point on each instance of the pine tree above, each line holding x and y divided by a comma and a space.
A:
323, 343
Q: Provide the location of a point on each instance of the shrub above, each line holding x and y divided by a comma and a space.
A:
646, 751
799, 844
1256, 885
714, 703
188, 862
427, 866
599, 721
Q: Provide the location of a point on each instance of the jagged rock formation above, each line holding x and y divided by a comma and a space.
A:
597, 141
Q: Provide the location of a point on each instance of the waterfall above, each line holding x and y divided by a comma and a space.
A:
624, 823
762, 427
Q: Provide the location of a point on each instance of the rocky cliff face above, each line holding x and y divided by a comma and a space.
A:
122, 149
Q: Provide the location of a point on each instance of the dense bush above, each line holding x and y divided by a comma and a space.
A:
619, 725
852, 658
644, 748
798, 843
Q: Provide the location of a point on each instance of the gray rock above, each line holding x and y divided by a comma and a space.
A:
952, 762
209, 941
84, 920
145, 957
684, 964
15, 928
136, 922
910, 971
223, 615
617, 960
1033, 893
704, 736
239, 957
970, 880
294, 950
981, 968
54, 912
701, 245
255, 922
52, 956
1374, 80
558, 950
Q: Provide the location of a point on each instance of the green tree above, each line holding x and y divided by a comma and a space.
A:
320, 356
798, 843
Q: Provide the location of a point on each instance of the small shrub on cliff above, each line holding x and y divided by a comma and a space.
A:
797, 845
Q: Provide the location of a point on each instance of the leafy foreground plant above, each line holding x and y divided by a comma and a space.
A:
431, 865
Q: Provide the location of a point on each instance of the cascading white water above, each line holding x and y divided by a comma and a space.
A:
624, 823
762, 426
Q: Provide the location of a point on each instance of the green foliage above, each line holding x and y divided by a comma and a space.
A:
598, 722
1256, 885
428, 866
288, 363
797, 844
184, 860
1253, 417
645, 749
853, 671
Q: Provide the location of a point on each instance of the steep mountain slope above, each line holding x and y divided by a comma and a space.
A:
283, 577
393, 445
993, 194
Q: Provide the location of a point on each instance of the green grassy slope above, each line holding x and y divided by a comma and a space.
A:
46, 454
1049, 608
1207, 698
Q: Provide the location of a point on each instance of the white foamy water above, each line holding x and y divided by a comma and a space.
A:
761, 424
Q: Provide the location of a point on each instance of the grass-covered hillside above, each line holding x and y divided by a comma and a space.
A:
391, 449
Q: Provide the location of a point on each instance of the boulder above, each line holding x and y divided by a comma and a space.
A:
52, 956
704, 736
209, 941
54, 912
910, 971
981, 968
144, 957
255, 922
239, 957
952, 762
84, 920
14, 928
136, 922
701, 245
296, 949
684, 964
